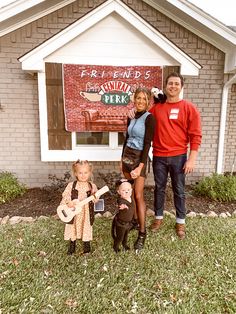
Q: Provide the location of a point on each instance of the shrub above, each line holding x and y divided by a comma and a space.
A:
110, 180
58, 183
217, 187
10, 188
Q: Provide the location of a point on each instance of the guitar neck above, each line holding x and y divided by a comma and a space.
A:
92, 197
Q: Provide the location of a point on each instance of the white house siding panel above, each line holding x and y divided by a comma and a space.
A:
230, 143
112, 40
19, 114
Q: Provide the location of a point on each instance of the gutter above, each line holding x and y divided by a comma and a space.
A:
223, 117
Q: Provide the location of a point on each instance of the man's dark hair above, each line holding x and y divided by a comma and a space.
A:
175, 74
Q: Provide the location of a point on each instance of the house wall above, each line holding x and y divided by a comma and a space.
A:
19, 116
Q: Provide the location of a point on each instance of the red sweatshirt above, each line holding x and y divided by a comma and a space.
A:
177, 125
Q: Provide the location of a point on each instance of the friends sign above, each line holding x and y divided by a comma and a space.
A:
97, 98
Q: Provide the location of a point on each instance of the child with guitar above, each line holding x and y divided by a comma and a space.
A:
81, 225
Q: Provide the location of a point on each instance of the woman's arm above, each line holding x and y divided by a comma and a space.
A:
148, 136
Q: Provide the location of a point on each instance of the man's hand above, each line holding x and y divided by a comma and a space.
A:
131, 113
190, 163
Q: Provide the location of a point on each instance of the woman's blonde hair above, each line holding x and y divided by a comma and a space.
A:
146, 91
82, 163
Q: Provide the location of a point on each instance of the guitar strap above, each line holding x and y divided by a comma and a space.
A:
91, 205
75, 195
74, 192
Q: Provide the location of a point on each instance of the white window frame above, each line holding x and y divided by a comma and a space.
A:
111, 152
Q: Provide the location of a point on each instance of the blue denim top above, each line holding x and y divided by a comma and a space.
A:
136, 132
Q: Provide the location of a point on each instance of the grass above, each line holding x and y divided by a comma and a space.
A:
196, 275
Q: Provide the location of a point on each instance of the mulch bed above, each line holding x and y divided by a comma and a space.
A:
44, 201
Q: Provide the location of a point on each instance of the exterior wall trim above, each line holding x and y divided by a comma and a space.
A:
223, 118
13, 9
34, 60
222, 36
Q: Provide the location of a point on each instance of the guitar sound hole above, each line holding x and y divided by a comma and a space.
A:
64, 213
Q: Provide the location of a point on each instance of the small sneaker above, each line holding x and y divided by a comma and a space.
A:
180, 230
156, 225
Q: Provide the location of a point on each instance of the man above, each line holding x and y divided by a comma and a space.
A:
177, 125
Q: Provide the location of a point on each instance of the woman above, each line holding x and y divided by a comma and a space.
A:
139, 135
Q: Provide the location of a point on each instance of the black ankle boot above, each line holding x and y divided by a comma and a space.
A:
71, 249
86, 247
139, 244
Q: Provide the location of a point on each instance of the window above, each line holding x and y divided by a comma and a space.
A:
111, 139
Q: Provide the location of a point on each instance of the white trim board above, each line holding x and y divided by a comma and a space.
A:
10, 20
203, 25
34, 60
90, 153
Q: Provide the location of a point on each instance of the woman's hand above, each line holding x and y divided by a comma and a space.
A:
137, 171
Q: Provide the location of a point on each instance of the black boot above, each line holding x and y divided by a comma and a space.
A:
86, 247
71, 249
139, 243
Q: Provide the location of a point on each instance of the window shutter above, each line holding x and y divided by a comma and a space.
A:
58, 137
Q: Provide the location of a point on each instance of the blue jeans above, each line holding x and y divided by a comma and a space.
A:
162, 166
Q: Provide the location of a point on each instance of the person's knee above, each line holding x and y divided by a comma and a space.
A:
139, 197
178, 189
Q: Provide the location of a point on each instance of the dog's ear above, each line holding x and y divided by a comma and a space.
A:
131, 181
158, 95
120, 181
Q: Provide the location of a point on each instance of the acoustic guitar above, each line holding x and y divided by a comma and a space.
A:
68, 213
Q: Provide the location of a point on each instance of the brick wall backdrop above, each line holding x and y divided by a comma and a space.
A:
19, 116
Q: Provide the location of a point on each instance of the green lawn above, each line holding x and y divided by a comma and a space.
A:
196, 275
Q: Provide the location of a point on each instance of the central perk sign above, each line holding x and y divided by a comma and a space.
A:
122, 95
97, 98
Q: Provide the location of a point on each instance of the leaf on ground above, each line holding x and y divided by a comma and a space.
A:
47, 273
15, 262
105, 268
71, 303
158, 286
19, 240
42, 253
173, 298
4, 275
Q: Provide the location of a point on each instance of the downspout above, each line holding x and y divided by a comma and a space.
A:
223, 123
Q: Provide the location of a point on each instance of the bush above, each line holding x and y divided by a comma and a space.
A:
10, 188
58, 183
217, 187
